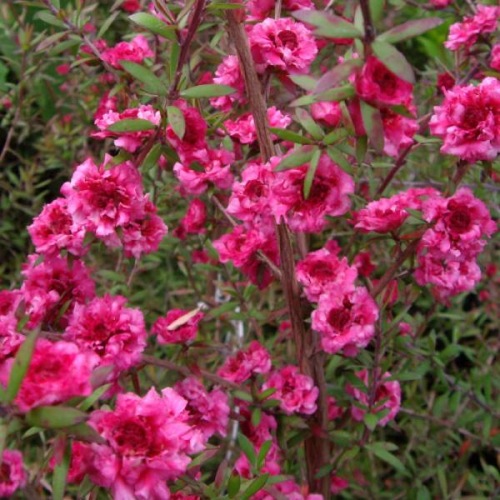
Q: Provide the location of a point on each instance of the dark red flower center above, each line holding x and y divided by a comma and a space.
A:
288, 39
460, 219
131, 438
339, 318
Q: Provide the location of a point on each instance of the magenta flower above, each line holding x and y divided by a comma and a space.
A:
468, 121
245, 363
283, 44
135, 51
12, 473
345, 320
177, 327
295, 392
229, 73
57, 372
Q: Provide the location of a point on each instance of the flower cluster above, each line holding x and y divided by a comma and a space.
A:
177, 327
466, 33
245, 363
135, 51
146, 441
468, 121
448, 249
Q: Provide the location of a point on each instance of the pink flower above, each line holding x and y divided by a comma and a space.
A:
117, 334
53, 230
466, 33
338, 485
214, 167
260, 9
398, 132
194, 221
147, 443
379, 86
346, 321
460, 223
363, 263
10, 339
130, 6
387, 396
495, 57
240, 367
193, 145
143, 235
440, 4
243, 128
282, 44
102, 199
296, 392
177, 327
328, 113
57, 372
208, 411
228, 73
54, 286
322, 271
249, 199
328, 196
135, 51
106, 103
129, 141
12, 473
448, 277
468, 121
258, 435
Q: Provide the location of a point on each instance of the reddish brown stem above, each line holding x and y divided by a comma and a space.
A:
310, 358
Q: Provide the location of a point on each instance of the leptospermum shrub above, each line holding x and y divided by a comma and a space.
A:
266, 269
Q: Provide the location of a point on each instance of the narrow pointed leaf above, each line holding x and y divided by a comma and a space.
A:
311, 171
388, 457
211, 90
155, 25
247, 448
55, 417
176, 120
394, 60
328, 25
288, 135
131, 125
307, 121
61, 473
336, 75
305, 82
295, 159
255, 486
152, 83
409, 29
20, 366
372, 120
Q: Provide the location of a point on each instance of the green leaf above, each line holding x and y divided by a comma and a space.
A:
408, 30
211, 90
60, 473
107, 24
155, 25
89, 401
131, 125
337, 94
176, 120
233, 485
247, 448
333, 77
151, 159
55, 417
394, 60
47, 17
338, 158
306, 120
335, 136
244, 396
265, 394
255, 486
20, 366
84, 432
264, 450
380, 452
152, 84
288, 135
256, 416
299, 157
305, 82
370, 420
328, 25
372, 120
311, 171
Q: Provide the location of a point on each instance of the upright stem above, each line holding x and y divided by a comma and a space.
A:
368, 23
309, 356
